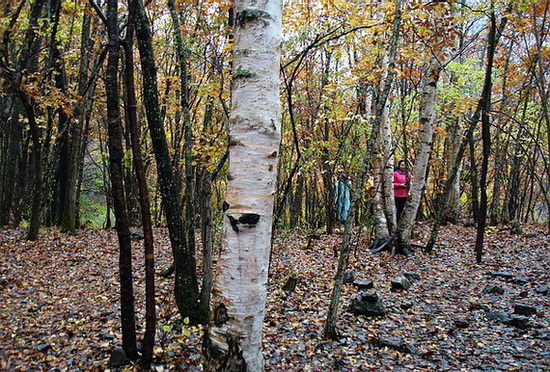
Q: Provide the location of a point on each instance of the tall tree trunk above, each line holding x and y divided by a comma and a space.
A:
116, 154
330, 324
500, 157
185, 282
327, 161
190, 210
76, 133
25, 65
422, 150
486, 135
467, 140
233, 340
451, 210
473, 177
36, 206
10, 160
145, 205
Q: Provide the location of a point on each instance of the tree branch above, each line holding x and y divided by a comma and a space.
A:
98, 11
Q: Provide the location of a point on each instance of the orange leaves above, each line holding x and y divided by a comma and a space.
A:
47, 95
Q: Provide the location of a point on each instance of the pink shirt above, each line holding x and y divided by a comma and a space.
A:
399, 180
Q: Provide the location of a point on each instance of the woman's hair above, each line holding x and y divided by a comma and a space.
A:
401, 161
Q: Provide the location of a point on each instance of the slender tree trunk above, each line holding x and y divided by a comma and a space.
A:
486, 136
185, 282
145, 206
500, 157
451, 210
233, 340
69, 215
36, 206
473, 176
422, 150
467, 140
330, 324
190, 211
116, 154
27, 62
10, 159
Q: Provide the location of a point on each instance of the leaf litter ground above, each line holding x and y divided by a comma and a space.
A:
59, 305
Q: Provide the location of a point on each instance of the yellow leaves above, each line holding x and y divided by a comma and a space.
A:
47, 95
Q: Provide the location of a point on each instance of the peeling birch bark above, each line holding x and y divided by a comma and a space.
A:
233, 340
422, 150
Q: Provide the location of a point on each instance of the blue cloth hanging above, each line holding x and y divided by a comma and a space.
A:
342, 199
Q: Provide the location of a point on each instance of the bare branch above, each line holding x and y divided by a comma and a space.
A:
98, 11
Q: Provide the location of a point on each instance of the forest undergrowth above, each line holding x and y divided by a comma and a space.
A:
59, 305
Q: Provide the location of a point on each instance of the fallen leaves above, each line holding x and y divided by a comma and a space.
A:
59, 305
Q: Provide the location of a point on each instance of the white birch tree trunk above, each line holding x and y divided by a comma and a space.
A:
233, 340
383, 200
452, 207
381, 231
422, 150
440, 54
386, 139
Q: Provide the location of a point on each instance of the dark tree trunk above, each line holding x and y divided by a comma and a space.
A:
116, 154
473, 176
36, 205
27, 62
185, 287
145, 207
190, 210
10, 161
486, 136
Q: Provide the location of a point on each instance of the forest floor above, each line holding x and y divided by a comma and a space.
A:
59, 305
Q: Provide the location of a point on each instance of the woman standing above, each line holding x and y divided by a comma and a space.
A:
401, 183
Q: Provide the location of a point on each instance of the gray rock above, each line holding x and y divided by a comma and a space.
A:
290, 285
519, 321
411, 276
475, 307
106, 336
501, 274
523, 309
501, 317
118, 357
349, 277
397, 343
522, 279
407, 305
136, 235
543, 289
370, 296
401, 283
367, 303
459, 323
493, 289
363, 284
42, 348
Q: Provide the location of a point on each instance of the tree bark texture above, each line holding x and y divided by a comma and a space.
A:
233, 340
486, 135
422, 150
330, 331
116, 154
185, 281
145, 205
